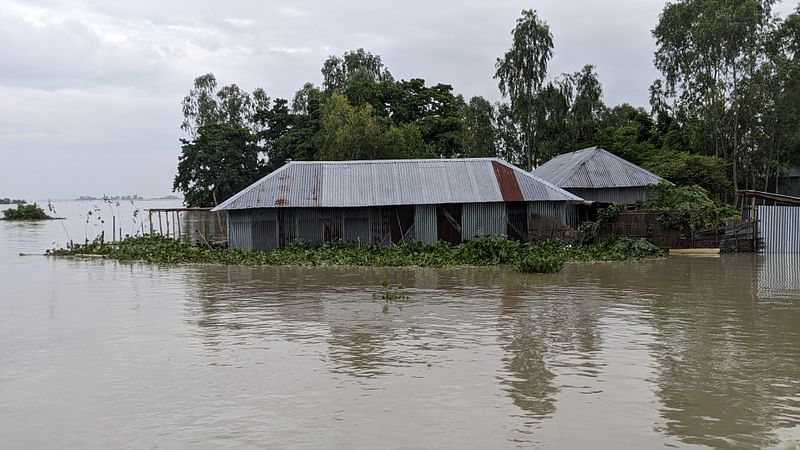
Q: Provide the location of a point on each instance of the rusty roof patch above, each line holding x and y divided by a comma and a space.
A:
509, 187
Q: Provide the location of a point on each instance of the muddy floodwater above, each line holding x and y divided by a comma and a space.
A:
683, 352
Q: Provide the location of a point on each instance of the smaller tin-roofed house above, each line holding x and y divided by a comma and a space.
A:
391, 201
598, 175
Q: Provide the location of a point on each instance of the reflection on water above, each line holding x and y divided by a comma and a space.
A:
779, 277
683, 352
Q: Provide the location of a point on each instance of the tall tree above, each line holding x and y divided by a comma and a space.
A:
520, 74
707, 51
338, 71
479, 128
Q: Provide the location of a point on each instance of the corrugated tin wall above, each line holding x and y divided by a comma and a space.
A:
425, 224
240, 230
779, 227
482, 219
555, 211
263, 230
269, 228
625, 196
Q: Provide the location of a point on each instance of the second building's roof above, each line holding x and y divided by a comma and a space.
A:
395, 182
594, 168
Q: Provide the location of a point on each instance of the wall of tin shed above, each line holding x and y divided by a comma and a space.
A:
425, 224
625, 196
482, 219
264, 229
270, 228
240, 230
779, 227
560, 213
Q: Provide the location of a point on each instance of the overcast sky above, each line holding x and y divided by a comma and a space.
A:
90, 90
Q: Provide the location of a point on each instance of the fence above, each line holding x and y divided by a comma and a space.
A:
738, 235
195, 225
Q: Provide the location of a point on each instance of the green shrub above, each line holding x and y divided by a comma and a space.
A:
687, 206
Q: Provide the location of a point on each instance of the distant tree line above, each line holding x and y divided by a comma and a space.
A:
9, 201
725, 113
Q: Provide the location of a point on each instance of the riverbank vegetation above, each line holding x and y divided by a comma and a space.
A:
545, 257
26, 212
9, 201
723, 114
687, 207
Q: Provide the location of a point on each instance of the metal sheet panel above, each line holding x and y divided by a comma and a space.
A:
594, 168
356, 223
425, 224
305, 184
309, 225
264, 229
779, 228
625, 196
554, 211
483, 219
240, 230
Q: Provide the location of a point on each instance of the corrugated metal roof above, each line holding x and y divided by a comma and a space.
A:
594, 168
394, 182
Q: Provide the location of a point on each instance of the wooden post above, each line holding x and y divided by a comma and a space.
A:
178, 219
150, 219
160, 228
113, 228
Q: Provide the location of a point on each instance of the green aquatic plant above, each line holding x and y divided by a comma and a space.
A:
391, 295
544, 257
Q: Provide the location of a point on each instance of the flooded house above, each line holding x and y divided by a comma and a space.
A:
598, 175
383, 202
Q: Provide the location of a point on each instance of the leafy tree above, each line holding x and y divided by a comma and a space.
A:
520, 74
220, 161
338, 71
685, 169
348, 132
200, 106
405, 141
479, 128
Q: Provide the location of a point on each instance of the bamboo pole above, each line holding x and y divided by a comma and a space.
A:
150, 219
113, 228
178, 219
160, 228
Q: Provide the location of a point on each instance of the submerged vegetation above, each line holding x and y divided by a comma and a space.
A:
26, 212
545, 257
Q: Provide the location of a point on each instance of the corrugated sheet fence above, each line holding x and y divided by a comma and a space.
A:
779, 228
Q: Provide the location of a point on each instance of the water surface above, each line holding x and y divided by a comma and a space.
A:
682, 352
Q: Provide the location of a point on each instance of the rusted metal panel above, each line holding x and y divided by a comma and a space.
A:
483, 219
779, 228
594, 168
509, 187
306, 184
425, 224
